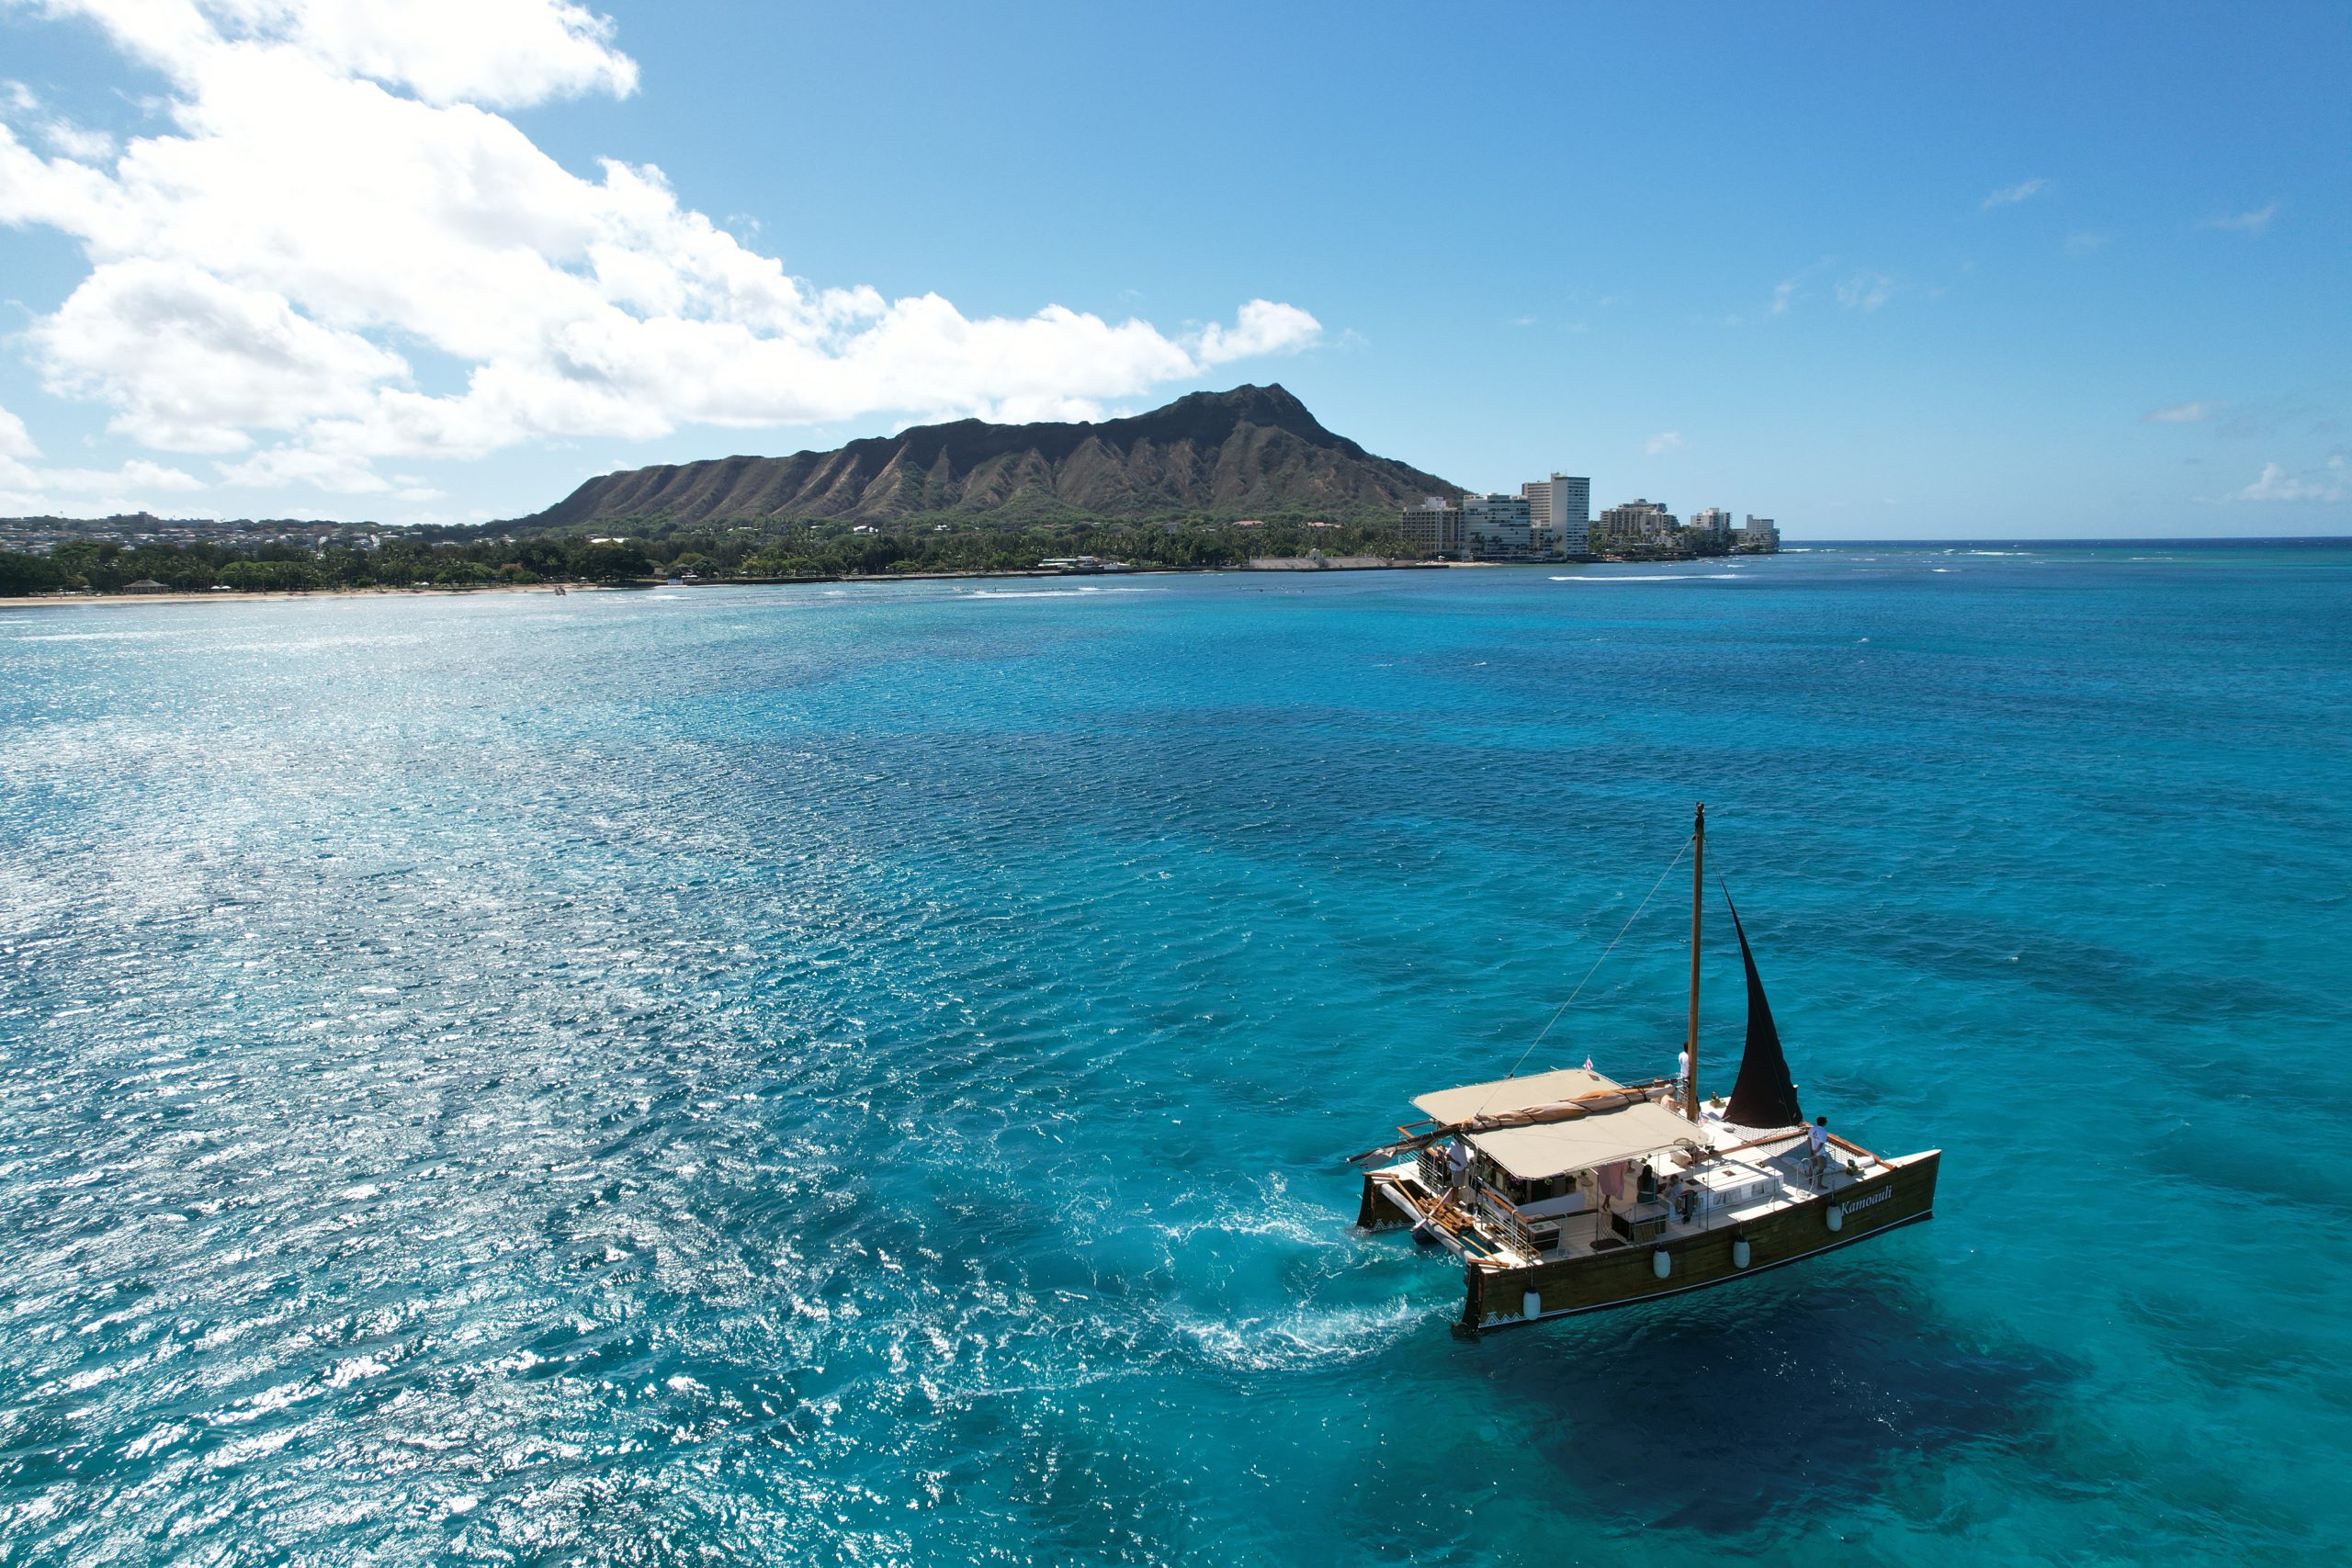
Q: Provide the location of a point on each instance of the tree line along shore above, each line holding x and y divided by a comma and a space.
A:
767, 552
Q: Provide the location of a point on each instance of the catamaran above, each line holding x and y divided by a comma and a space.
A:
1565, 1191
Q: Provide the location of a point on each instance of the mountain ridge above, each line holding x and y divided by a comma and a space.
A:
1220, 454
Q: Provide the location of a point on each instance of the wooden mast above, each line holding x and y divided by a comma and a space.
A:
1697, 891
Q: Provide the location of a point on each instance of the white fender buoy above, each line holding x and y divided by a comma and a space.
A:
1661, 1263
1837, 1217
1532, 1304
1739, 1252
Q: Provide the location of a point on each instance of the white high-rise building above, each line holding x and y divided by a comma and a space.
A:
1560, 509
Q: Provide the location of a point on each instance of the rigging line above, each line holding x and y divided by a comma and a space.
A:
1596, 963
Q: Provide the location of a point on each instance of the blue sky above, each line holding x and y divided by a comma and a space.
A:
1874, 270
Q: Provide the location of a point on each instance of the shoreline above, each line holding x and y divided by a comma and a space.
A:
65, 601
1281, 566
70, 601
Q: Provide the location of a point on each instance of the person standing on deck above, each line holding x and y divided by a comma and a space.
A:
1817, 1139
1682, 1073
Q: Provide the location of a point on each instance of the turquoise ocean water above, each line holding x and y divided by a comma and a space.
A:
860, 1073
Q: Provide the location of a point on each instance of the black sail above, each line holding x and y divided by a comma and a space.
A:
1763, 1095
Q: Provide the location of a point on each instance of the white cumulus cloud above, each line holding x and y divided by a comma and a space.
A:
2333, 482
1261, 326
190, 362
337, 202
14, 440
1664, 441
507, 54
28, 487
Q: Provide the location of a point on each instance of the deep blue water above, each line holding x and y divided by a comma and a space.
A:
862, 1073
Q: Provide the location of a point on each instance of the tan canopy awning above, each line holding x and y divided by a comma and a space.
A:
1554, 1148
1511, 1094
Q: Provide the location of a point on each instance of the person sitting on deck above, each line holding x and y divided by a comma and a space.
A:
1817, 1140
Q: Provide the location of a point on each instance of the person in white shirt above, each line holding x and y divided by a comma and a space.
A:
1682, 1072
1817, 1136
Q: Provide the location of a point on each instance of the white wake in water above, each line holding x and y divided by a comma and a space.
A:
1663, 577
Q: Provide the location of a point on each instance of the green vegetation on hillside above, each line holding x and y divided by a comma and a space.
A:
1222, 456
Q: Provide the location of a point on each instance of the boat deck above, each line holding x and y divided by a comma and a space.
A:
1752, 1175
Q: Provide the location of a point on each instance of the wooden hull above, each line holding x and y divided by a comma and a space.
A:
1496, 1297
1901, 1196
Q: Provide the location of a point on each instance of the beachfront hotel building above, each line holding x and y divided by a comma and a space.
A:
1560, 512
1709, 531
1760, 536
1496, 527
1435, 525
1632, 523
